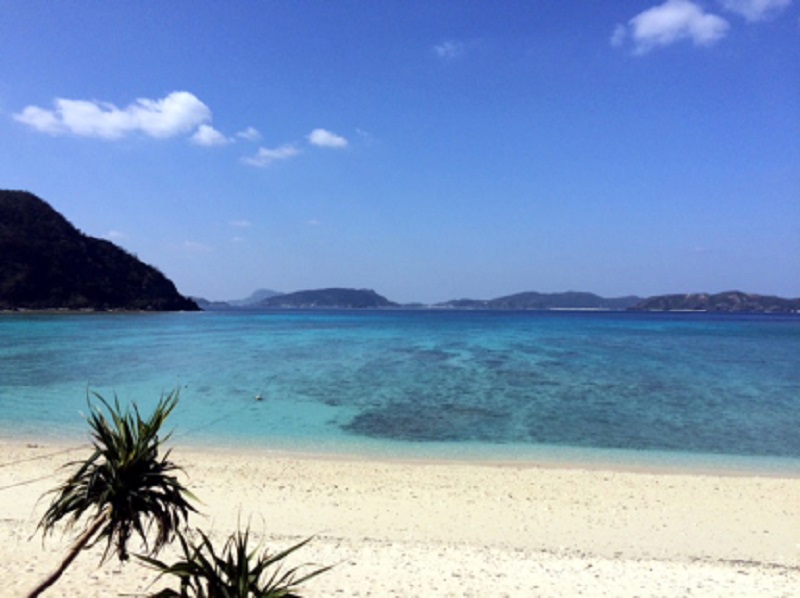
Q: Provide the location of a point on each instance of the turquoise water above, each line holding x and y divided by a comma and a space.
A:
669, 388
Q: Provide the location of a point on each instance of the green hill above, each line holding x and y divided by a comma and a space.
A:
46, 263
328, 298
730, 301
534, 300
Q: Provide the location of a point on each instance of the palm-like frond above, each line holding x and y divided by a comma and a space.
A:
236, 572
124, 482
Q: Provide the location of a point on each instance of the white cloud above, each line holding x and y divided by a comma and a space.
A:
668, 23
177, 113
249, 134
115, 235
208, 136
265, 156
449, 49
314, 222
755, 10
323, 138
39, 119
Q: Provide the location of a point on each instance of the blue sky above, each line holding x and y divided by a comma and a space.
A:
428, 150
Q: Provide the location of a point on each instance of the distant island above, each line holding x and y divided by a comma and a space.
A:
342, 298
730, 301
328, 298
534, 300
255, 297
46, 263
248, 302
332, 298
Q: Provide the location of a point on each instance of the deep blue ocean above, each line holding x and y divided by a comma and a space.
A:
709, 390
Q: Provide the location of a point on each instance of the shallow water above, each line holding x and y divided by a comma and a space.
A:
431, 384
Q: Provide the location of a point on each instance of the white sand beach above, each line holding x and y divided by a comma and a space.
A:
447, 529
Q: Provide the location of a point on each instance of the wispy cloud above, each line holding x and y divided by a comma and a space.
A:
668, 23
266, 156
323, 138
620, 35
755, 10
449, 49
240, 223
249, 134
208, 136
178, 113
115, 235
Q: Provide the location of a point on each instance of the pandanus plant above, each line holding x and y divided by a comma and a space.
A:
124, 487
238, 571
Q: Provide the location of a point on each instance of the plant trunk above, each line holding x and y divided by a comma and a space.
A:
74, 550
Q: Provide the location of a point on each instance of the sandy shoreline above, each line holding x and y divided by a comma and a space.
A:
450, 529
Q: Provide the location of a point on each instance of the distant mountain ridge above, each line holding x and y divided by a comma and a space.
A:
328, 298
534, 300
254, 298
729, 301
46, 263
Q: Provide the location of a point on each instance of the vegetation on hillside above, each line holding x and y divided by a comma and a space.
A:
332, 298
46, 263
534, 300
731, 301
